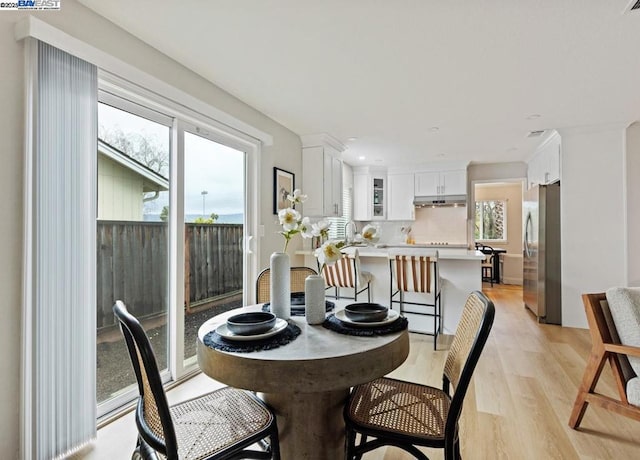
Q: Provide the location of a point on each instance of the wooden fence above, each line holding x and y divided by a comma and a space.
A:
132, 265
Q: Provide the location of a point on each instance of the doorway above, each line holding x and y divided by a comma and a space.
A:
497, 222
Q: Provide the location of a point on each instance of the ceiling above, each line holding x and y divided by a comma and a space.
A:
408, 81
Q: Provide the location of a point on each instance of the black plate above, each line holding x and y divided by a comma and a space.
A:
251, 323
366, 312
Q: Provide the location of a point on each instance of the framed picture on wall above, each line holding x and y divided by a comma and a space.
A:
283, 185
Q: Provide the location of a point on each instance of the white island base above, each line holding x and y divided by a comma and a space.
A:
460, 272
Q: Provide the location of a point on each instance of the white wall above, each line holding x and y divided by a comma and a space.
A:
492, 172
83, 24
495, 172
593, 216
633, 204
11, 142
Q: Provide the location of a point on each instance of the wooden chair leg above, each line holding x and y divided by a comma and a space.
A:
589, 380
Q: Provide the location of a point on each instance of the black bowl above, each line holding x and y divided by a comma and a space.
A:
251, 323
366, 312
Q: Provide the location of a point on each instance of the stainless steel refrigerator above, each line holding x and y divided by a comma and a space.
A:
541, 290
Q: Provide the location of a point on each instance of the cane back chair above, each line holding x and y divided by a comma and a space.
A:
218, 425
403, 414
297, 277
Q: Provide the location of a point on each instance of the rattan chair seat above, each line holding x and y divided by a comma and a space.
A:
401, 407
390, 412
211, 423
223, 424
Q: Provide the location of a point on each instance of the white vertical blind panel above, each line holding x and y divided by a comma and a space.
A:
64, 239
337, 229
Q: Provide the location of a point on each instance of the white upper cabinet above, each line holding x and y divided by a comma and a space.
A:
362, 204
400, 194
544, 167
369, 194
427, 184
454, 182
322, 176
438, 183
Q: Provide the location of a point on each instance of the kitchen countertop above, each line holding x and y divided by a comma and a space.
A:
459, 269
443, 253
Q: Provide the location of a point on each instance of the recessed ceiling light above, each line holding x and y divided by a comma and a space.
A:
434, 129
361, 157
533, 116
351, 139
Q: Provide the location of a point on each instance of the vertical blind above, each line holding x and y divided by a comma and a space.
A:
60, 311
337, 228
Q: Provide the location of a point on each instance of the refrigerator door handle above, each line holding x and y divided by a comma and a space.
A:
528, 224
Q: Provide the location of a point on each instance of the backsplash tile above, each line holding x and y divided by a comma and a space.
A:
441, 224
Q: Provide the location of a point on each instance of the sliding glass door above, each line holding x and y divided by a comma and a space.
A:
132, 239
175, 206
214, 204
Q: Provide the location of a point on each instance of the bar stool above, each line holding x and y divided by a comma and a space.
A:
346, 273
416, 271
487, 263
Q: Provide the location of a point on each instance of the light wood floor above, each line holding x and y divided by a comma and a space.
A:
517, 406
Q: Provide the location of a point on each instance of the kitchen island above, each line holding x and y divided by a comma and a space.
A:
459, 270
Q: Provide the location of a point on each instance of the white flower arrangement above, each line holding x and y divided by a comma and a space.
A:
329, 251
291, 220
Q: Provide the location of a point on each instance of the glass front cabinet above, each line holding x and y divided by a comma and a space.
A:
369, 194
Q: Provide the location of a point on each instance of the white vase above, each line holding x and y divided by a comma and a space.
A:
314, 299
280, 285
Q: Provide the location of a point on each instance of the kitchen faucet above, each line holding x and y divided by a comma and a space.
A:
350, 231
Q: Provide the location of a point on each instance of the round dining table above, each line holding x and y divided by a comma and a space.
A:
307, 381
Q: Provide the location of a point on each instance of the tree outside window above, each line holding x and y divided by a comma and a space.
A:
491, 220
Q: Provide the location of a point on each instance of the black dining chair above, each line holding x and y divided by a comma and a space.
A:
488, 274
488, 263
219, 425
390, 412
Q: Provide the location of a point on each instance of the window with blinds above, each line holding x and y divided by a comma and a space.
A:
336, 230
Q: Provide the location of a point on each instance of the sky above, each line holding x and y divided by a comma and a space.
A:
209, 166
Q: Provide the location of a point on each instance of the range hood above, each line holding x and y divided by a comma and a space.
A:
441, 200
